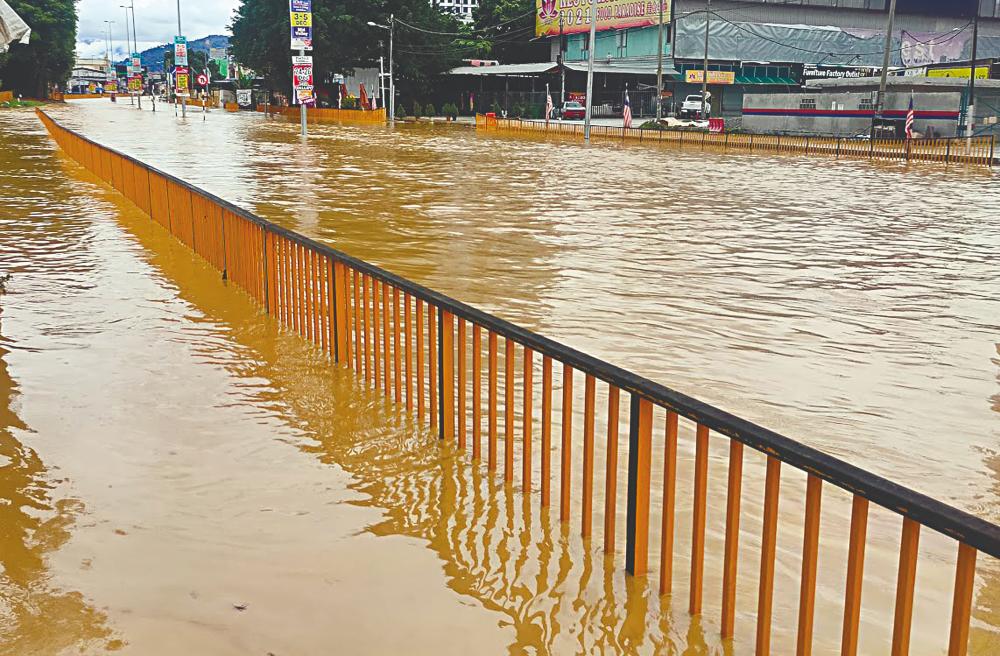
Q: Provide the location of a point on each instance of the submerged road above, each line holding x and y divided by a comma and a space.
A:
850, 306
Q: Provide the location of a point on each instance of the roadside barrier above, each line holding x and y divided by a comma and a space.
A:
412, 343
84, 96
6, 96
977, 151
329, 114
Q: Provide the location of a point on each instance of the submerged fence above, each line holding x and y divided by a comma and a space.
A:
978, 151
329, 114
413, 344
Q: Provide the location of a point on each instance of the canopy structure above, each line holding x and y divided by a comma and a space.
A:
12, 28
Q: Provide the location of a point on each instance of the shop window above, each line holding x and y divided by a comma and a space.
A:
867, 104
807, 103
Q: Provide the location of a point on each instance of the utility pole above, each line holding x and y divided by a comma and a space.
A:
110, 44
590, 70
970, 112
659, 67
391, 27
704, 73
562, 64
181, 33
880, 100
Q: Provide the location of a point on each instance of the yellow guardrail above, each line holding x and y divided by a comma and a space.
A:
425, 352
977, 151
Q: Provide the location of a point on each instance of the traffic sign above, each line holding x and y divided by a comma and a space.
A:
201, 80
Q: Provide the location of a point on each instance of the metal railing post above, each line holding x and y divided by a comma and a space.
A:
640, 438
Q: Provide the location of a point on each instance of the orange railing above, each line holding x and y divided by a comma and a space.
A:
330, 114
977, 151
414, 345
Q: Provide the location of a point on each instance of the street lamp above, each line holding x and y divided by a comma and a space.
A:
128, 55
109, 46
392, 78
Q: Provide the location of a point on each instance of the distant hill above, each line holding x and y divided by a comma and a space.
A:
152, 59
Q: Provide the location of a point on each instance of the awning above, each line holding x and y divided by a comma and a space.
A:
620, 67
12, 28
753, 79
505, 69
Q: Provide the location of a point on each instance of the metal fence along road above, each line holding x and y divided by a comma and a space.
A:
977, 151
413, 344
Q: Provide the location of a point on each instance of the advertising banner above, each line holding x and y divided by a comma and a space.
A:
136, 63
111, 87
91, 88
302, 78
223, 65
982, 72
714, 77
180, 51
300, 19
182, 81
573, 16
135, 84
834, 72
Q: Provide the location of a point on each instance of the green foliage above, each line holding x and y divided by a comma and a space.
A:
343, 40
430, 109
400, 111
496, 108
48, 58
350, 102
506, 29
450, 110
418, 111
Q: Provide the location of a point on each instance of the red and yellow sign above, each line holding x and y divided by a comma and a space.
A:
982, 72
573, 16
714, 77
182, 81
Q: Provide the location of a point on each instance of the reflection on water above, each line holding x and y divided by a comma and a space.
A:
37, 614
752, 308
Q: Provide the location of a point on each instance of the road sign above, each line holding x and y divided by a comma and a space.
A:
180, 51
300, 20
201, 80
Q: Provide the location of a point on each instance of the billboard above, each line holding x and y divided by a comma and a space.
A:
302, 78
573, 16
182, 81
982, 72
180, 51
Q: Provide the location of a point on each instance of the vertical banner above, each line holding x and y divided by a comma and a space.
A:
302, 79
300, 18
136, 64
182, 81
180, 51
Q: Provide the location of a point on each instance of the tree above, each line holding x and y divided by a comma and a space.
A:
506, 29
343, 40
48, 58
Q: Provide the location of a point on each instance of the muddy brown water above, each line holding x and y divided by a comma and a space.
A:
167, 453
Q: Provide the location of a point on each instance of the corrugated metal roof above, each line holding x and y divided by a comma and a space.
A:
507, 69
624, 67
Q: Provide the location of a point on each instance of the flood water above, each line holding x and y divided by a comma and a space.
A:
168, 454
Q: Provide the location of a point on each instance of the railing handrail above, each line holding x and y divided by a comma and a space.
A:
932, 513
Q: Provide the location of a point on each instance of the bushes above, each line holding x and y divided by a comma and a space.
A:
450, 110
400, 111
418, 111
430, 110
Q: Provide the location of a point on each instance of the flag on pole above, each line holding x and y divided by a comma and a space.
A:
909, 120
548, 106
627, 112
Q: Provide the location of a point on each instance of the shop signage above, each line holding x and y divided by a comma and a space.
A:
573, 16
300, 19
111, 87
135, 84
822, 72
180, 51
576, 96
982, 72
714, 77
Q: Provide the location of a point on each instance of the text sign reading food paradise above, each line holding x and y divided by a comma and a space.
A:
574, 15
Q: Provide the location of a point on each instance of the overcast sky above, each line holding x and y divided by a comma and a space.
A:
155, 22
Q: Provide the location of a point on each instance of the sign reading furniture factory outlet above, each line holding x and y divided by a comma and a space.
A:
573, 16
301, 21
830, 72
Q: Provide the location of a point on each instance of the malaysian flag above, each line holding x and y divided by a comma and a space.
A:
627, 112
909, 120
548, 106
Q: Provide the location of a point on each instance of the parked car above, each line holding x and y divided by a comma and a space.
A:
692, 106
572, 110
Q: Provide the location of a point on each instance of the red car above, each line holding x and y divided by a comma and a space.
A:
573, 110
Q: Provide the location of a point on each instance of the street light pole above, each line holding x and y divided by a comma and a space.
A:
392, 71
110, 44
880, 99
128, 55
970, 112
590, 70
181, 33
704, 73
135, 40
